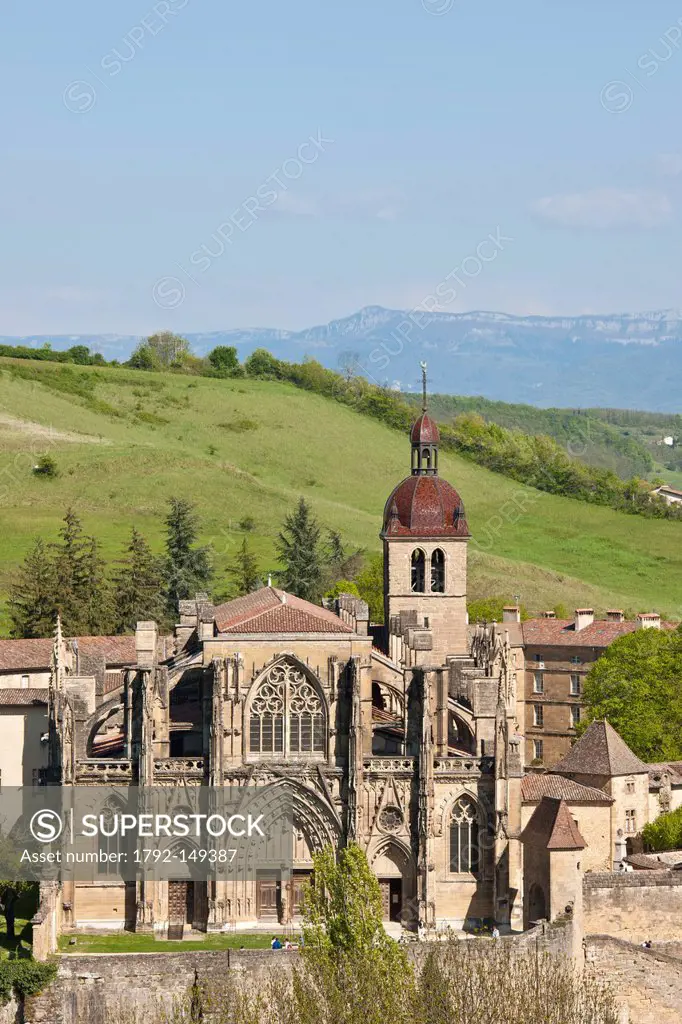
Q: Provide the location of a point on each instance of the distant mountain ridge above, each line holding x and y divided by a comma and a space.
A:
627, 360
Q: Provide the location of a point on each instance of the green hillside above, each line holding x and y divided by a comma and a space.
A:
124, 441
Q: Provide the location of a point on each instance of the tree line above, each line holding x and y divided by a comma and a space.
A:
69, 576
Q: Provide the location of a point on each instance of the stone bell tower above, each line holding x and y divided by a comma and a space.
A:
425, 536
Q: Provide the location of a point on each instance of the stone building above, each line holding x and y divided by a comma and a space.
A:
558, 654
408, 744
408, 739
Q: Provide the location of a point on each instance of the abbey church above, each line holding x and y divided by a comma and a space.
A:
406, 738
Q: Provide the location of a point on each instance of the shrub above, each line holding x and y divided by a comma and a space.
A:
24, 977
46, 466
239, 426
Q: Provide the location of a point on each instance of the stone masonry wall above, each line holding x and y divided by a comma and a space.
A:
635, 906
647, 981
90, 988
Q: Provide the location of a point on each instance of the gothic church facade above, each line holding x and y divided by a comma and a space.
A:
405, 739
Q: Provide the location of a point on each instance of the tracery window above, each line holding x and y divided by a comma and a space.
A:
438, 572
287, 714
464, 848
418, 572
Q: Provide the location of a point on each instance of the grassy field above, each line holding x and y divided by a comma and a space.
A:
132, 942
125, 441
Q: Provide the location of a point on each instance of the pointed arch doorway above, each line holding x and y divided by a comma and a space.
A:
394, 869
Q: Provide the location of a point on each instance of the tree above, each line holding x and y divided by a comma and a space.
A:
82, 593
298, 546
225, 361
12, 888
144, 358
139, 589
343, 587
637, 685
170, 348
370, 583
335, 555
79, 354
161, 351
96, 600
187, 569
244, 570
262, 364
351, 966
32, 595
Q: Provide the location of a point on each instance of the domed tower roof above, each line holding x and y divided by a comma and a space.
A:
425, 430
424, 506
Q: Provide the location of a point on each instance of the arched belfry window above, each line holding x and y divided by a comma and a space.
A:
438, 572
464, 848
287, 714
418, 572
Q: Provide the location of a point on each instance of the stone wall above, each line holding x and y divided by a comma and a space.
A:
646, 981
635, 906
90, 988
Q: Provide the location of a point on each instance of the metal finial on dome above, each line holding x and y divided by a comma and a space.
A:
423, 368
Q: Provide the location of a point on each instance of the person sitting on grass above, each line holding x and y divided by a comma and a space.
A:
275, 944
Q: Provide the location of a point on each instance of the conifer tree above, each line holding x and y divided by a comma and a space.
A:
298, 546
187, 568
244, 570
139, 589
82, 593
32, 596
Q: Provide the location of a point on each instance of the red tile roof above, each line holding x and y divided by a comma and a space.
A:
600, 751
534, 787
562, 632
553, 827
424, 505
116, 650
25, 655
36, 655
24, 698
270, 610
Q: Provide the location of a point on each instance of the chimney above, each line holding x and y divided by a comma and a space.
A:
511, 613
583, 617
648, 620
549, 615
615, 615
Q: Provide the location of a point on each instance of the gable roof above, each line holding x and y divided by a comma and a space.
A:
270, 610
600, 751
562, 632
18, 655
35, 655
552, 827
23, 698
535, 786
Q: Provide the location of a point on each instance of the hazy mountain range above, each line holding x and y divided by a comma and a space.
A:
628, 360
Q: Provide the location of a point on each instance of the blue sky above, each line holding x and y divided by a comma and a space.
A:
137, 133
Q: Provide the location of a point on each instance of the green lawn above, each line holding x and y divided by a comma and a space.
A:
244, 447
131, 942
